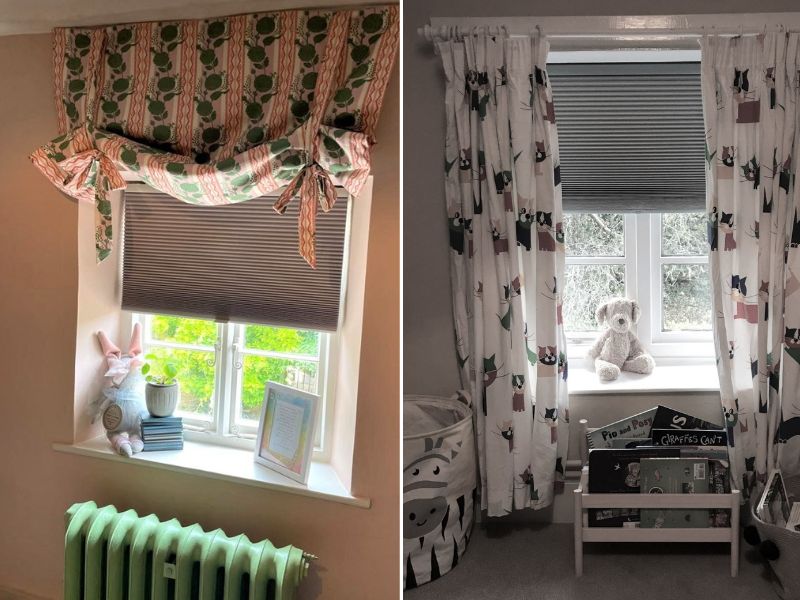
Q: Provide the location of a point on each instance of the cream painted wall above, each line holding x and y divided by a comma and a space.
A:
98, 300
358, 548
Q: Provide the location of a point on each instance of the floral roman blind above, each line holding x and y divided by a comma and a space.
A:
221, 110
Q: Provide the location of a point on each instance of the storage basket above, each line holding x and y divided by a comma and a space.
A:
782, 548
439, 474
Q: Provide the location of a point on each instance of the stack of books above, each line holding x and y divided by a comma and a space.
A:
659, 451
162, 433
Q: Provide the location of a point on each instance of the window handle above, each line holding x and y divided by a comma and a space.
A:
217, 349
237, 357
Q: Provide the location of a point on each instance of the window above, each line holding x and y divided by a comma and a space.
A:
631, 143
252, 309
223, 368
658, 259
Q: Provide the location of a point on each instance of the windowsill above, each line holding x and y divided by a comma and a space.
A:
227, 464
699, 377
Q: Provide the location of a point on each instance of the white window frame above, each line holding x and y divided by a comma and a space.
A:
659, 337
224, 427
642, 262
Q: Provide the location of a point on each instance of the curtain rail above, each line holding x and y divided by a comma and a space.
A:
446, 32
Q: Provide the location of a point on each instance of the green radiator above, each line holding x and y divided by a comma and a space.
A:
119, 555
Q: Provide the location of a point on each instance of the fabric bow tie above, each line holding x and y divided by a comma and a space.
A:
313, 185
83, 171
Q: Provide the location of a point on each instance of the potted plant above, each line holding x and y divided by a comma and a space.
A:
162, 391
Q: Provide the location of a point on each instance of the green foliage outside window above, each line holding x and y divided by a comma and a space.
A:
196, 366
184, 331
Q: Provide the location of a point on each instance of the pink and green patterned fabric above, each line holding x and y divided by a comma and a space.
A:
221, 110
752, 119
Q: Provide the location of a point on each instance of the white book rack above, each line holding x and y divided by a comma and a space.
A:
584, 501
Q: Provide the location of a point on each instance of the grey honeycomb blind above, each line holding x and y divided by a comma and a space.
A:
237, 262
631, 136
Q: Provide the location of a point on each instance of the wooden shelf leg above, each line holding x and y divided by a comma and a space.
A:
578, 530
735, 533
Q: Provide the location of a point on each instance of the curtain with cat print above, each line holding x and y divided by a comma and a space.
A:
503, 197
750, 92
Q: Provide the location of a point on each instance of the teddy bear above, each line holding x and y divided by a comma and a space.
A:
122, 404
618, 348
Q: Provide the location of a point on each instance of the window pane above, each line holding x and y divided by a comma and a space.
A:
195, 375
258, 370
683, 234
587, 287
588, 234
686, 298
280, 339
183, 331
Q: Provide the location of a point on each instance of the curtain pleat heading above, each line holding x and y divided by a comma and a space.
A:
631, 136
230, 263
222, 110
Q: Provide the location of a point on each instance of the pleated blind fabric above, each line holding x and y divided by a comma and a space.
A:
631, 136
235, 262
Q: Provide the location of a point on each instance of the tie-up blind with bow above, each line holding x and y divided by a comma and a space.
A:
222, 110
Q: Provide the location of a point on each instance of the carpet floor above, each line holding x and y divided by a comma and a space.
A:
531, 562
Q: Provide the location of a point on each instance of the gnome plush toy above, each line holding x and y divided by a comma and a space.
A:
618, 348
122, 404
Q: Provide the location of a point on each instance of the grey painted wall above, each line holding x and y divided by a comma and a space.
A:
429, 355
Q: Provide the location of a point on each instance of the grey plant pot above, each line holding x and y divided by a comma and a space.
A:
162, 400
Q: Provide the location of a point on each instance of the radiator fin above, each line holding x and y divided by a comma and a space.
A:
115, 555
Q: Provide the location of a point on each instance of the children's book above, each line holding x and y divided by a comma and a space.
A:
719, 483
674, 476
617, 471
634, 427
161, 430
173, 437
719, 453
161, 421
710, 452
691, 437
625, 442
161, 446
669, 418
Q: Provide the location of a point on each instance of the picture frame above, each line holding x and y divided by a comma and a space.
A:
285, 440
